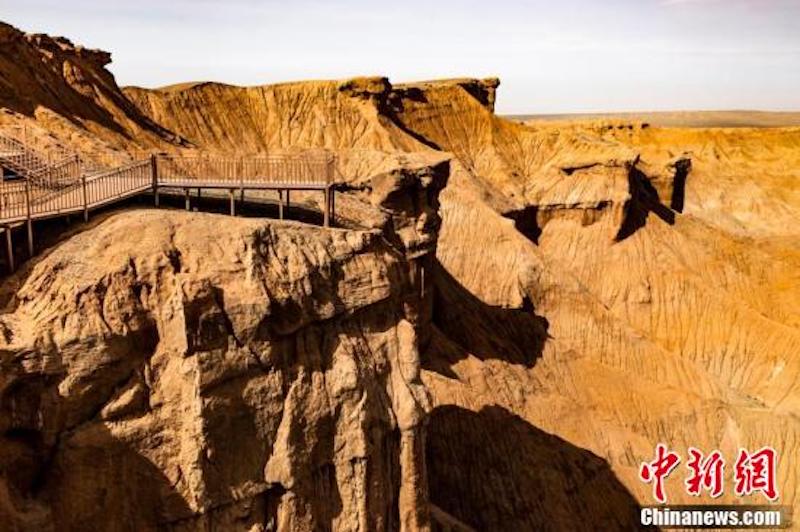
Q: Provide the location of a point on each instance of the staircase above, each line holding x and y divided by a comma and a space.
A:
20, 152
54, 181
19, 158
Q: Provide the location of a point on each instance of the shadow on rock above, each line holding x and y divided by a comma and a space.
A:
491, 470
645, 199
471, 327
95, 479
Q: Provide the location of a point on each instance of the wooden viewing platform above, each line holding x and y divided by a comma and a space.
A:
58, 189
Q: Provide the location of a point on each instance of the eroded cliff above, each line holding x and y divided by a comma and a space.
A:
215, 372
67, 90
577, 293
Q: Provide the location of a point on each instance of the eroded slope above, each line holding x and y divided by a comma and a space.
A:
673, 320
67, 89
205, 371
596, 288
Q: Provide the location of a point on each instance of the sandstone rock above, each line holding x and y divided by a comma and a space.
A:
596, 288
263, 377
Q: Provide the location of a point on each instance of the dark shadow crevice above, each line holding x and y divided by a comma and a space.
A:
644, 199
494, 471
468, 326
682, 168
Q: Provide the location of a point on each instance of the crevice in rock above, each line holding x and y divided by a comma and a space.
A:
644, 199
682, 168
494, 471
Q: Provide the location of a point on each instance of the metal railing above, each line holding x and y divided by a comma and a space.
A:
33, 153
48, 170
14, 200
305, 169
38, 196
36, 140
119, 183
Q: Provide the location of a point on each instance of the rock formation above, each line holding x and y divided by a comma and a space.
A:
266, 377
518, 312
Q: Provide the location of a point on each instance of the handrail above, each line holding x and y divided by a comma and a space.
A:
38, 159
33, 139
59, 174
37, 167
36, 196
309, 168
119, 169
88, 179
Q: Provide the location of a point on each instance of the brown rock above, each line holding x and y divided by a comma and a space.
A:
596, 288
267, 374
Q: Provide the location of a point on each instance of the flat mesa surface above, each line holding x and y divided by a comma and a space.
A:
679, 118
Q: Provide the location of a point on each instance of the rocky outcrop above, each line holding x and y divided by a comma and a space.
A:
263, 377
67, 89
484, 91
592, 289
340, 115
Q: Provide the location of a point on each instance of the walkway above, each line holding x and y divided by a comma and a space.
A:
43, 189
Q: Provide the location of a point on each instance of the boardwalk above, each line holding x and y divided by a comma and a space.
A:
45, 190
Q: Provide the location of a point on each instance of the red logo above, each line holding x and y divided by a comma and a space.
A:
658, 470
753, 472
756, 472
705, 473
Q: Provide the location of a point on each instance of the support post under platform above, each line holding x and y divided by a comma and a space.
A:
10, 249
154, 172
326, 215
29, 220
85, 192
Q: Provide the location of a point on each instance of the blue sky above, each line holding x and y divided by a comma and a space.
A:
551, 55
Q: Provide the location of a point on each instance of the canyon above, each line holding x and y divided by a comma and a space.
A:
506, 319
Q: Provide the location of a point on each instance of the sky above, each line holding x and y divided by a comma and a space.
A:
552, 56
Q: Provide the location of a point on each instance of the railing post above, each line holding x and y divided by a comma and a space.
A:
233, 201
240, 164
29, 221
326, 216
154, 175
85, 192
331, 166
333, 205
10, 249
